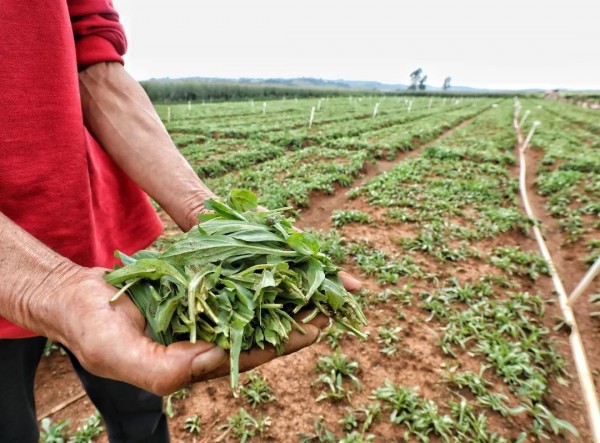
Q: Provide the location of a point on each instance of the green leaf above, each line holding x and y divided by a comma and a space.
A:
238, 229
152, 269
216, 248
243, 200
223, 210
315, 275
304, 243
236, 337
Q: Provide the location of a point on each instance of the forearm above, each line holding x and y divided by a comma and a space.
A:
31, 275
119, 114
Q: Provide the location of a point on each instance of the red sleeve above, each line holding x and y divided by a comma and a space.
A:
99, 36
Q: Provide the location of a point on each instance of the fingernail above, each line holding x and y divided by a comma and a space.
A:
208, 361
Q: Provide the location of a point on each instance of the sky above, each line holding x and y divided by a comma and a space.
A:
505, 44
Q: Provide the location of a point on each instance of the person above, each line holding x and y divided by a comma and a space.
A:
81, 146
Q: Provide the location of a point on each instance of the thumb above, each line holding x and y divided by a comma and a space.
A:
165, 369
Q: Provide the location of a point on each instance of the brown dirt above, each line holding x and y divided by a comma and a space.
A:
418, 363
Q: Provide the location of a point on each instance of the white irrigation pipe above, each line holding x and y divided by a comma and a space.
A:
312, 117
593, 272
524, 118
375, 109
581, 364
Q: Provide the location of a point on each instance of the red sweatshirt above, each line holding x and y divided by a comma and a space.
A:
56, 182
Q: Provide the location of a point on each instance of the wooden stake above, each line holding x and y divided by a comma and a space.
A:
430, 100
189, 106
169, 114
264, 108
312, 117
410, 105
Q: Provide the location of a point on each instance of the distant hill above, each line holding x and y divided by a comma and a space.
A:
311, 82
340, 84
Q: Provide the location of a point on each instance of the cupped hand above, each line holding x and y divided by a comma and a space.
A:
109, 340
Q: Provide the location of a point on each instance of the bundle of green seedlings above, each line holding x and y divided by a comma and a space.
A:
236, 280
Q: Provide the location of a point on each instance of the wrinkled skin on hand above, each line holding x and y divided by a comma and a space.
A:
109, 339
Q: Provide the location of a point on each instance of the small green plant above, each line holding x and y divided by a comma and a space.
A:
50, 347
341, 218
333, 335
256, 390
88, 432
334, 369
515, 261
193, 425
420, 415
243, 426
320, 435
388, 338
362, 417
53, 432
544, 420
177, 395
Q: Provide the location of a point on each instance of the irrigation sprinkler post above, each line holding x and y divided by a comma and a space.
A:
591, 274
524, 117
375, 109
312, 116
586, 380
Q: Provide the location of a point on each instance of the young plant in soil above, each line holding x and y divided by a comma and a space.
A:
243, 426
389, 340
236, 280
193, 425
256, 390
53, 432
334, 369
88, 432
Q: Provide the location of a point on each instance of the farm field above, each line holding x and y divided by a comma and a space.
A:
421, 202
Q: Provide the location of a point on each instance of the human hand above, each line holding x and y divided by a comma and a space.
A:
109, 340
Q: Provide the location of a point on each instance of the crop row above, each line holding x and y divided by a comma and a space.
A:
442, 212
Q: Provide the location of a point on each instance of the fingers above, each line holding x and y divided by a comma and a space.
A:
350, 283
208, 362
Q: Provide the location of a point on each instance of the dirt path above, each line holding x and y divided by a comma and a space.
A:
318, 214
